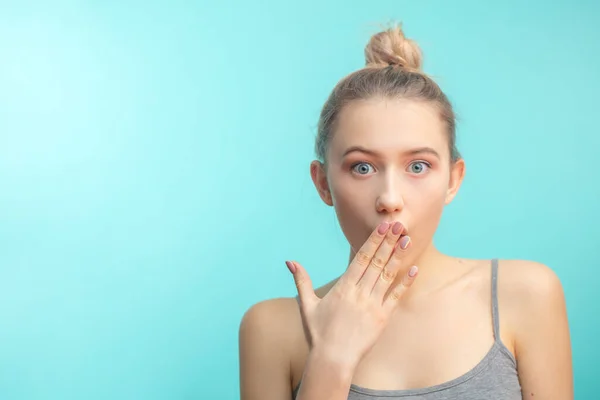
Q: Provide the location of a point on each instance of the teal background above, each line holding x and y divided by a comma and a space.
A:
154, 173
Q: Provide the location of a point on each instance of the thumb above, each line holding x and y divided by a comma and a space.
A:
303, 283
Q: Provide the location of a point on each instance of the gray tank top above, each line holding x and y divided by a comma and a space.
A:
494, 377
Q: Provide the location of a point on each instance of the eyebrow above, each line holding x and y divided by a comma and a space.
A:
411, 152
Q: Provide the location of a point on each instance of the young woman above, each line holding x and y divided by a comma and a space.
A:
403, 321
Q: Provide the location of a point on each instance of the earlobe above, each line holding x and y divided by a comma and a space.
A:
326, 197
319, 178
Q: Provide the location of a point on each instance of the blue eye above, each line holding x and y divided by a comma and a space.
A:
418, 167
362, 168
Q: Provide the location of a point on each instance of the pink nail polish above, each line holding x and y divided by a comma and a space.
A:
291, 266
397, 228
413, 271
383, 227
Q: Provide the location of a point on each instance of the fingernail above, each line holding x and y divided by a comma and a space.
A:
383, 227
413, 271
404, 242
397, 228
291, 266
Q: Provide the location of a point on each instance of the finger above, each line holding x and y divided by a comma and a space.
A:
303, 283
392, 269
398, 290
381, 258
363, 256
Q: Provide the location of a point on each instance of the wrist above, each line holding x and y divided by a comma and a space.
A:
337, 363
325, 377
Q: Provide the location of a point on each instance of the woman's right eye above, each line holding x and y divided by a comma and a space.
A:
362, 168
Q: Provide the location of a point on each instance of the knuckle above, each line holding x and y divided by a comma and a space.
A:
339, 292
397, 254
362, 258
361, 291
299, 282
391, 240
377, 263
380, 318
395, 295
387, 275
374, 240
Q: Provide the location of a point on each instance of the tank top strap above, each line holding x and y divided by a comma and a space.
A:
495, 314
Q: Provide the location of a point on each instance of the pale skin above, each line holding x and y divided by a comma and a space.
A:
391, 328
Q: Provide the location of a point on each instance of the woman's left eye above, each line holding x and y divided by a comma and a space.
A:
418, 167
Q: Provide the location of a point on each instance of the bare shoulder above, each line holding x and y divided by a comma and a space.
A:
528, 284
531, 300
531, 295
277, 322
269, 314
273, 322
267, 332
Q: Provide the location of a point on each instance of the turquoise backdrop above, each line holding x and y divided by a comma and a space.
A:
154, 173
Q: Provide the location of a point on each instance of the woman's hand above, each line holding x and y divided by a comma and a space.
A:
346, 323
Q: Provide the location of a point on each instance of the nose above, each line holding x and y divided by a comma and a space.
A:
390, 198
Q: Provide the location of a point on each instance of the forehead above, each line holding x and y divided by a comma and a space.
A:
389, 125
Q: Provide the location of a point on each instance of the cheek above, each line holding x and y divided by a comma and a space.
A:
426, 207
430, 206
427, 193
344, 191
349, 203
353, 209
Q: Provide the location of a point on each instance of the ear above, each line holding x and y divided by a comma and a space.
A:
318, 174
457, 175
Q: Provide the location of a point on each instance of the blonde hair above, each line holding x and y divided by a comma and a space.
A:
393, 69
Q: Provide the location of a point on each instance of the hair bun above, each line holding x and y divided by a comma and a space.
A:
391, 47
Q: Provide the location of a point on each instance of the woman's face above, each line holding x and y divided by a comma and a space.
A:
389, 160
